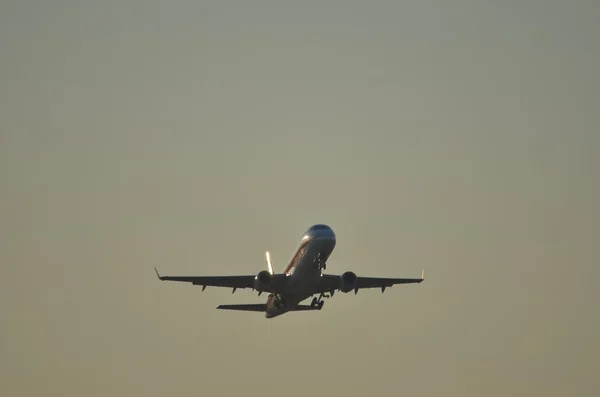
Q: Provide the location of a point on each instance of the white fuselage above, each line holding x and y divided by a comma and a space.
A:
303, 270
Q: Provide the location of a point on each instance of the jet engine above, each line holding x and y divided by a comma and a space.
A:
262, 281
348, 281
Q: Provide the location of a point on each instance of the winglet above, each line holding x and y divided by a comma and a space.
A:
158, 275
423, 274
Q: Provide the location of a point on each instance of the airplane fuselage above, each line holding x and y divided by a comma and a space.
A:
303, 270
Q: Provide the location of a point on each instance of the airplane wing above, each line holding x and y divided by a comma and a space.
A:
213, 281
331, 282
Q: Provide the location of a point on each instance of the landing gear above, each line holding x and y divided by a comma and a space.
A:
320, 261
318, 302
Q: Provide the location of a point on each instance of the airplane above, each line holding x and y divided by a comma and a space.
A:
301, 279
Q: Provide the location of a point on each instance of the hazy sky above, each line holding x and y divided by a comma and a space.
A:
461, 137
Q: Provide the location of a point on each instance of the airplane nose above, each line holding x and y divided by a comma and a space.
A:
321, 231
330, 234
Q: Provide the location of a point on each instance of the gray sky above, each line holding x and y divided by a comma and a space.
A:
460, 137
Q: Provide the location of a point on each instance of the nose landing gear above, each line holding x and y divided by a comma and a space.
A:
320, 261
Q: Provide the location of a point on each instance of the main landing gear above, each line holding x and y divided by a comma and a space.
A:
320, 261
318, 302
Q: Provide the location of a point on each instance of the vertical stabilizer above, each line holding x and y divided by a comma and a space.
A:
269, 265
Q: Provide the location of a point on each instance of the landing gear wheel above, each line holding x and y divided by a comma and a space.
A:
323, 295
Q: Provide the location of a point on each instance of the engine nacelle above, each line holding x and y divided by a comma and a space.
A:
262, 281
348, 281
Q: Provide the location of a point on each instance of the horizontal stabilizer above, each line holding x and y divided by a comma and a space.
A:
261, 307
300, 308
